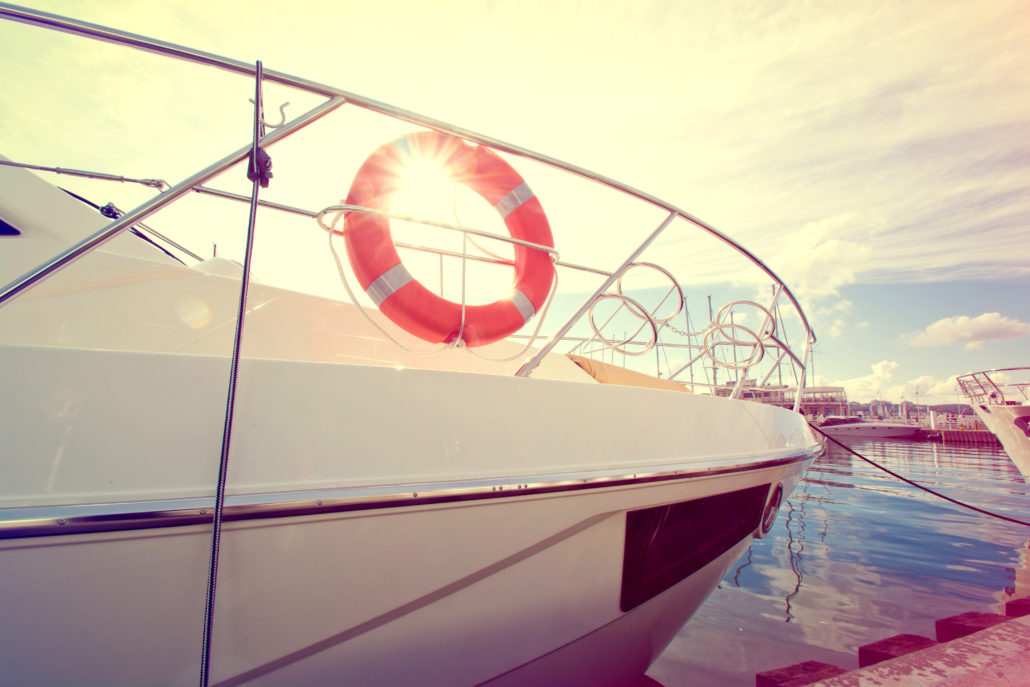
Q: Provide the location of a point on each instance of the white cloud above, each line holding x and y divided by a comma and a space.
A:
829, 320
873, 385
925, 390
817, 261
971, 331
945, 391
842, 306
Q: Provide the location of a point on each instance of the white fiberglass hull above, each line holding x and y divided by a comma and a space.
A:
332, 573
1009, 423
872, 430
446, 595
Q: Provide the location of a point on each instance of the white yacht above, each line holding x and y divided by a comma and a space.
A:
843, 426
1001, 399
400, 482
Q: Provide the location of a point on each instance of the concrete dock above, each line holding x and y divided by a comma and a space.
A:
972, 437
979, 437
970, 650
999, 655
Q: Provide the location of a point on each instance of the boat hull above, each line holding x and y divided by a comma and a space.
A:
1010, 424
395, 513
384, 527
871, 430
451, 592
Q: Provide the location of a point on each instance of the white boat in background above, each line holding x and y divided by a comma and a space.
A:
206, 474
848, 426
1001, 399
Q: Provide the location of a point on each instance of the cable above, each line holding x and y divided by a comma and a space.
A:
259, 173
112, 212
920, 486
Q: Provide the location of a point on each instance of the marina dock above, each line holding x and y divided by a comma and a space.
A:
969, 649
963, 437
979, 437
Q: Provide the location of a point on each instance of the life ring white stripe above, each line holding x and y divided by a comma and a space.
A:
403, 145
524, 305
388, 283
514, 200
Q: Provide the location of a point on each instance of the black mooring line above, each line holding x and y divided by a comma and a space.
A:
920, 486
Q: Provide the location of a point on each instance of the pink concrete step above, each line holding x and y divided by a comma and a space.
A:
965, 624
891, 647
798, 674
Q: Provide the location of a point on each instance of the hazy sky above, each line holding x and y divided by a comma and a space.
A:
875, 155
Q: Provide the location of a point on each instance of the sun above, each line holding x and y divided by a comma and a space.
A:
429, 192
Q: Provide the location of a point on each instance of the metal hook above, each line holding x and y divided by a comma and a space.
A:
282, 115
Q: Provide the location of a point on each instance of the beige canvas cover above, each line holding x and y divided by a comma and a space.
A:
613, 374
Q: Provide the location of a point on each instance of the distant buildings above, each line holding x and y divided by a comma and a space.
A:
824, 401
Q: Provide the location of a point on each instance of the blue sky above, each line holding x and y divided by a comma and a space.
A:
875, 155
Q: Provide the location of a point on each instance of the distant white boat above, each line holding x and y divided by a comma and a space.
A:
1001, 399
854, 426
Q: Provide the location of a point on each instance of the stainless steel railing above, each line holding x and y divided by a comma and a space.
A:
750, 356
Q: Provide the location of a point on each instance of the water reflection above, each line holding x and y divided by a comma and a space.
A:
857, 556
795, 557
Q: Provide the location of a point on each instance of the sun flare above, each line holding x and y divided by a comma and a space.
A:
426, 191
429, 192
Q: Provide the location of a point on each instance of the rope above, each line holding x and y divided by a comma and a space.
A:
332, 230
466, 239
920, 486
533, 337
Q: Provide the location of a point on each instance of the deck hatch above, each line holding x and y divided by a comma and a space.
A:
667, 544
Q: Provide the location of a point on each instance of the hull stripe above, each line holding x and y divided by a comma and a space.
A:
18, 523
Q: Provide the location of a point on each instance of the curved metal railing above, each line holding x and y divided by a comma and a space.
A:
751, 357
1001, 386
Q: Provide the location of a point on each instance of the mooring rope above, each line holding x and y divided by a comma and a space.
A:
920, 486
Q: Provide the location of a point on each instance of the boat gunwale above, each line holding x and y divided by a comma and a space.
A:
21, 522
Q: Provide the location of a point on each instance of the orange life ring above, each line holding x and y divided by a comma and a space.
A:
388, 283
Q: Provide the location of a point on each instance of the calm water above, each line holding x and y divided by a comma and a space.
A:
858, 556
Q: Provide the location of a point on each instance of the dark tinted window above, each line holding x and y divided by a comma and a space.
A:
667, 544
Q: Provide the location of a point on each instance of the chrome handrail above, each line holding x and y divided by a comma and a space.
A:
34, 276
28, 15
431, 223
338, 97
983, 389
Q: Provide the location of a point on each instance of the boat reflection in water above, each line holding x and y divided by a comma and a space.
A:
858, 556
